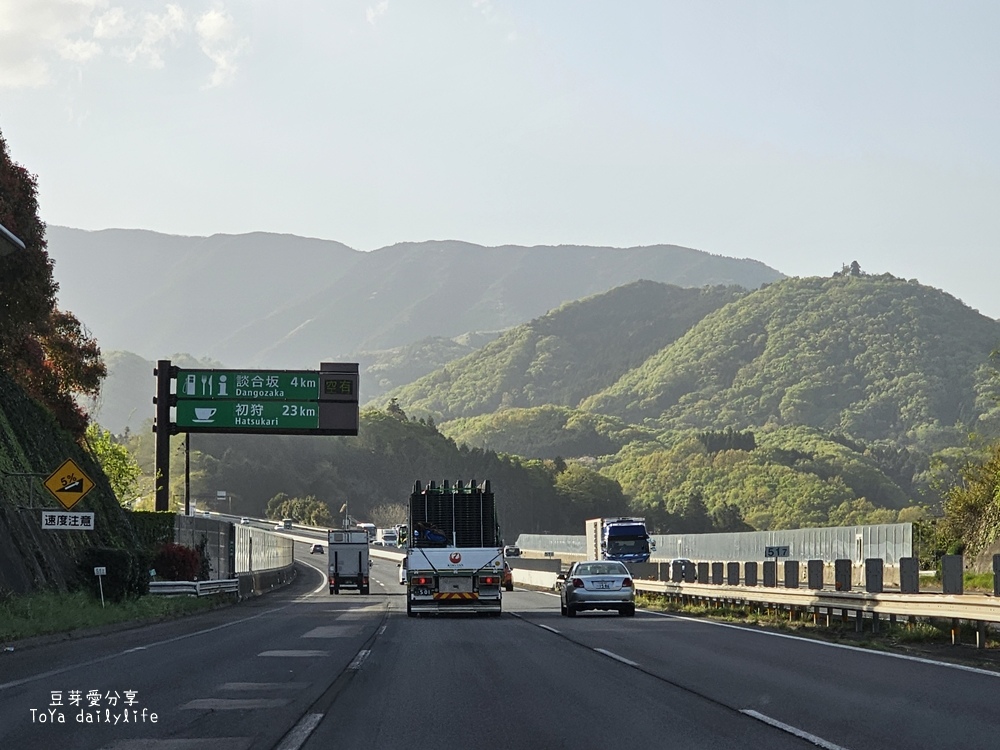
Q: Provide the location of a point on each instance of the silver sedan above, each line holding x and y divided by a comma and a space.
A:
597, 584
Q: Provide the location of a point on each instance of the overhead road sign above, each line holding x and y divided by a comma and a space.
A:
267, 417
68, 484
257, 385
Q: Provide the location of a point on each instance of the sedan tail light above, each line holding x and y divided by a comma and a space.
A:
627, 583
578, 583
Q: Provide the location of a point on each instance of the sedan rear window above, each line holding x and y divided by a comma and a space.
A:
604, 569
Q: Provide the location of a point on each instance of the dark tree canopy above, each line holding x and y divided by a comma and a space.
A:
46, 350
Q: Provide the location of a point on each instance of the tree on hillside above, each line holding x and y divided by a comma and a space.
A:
384, 516
118, 464
47, 351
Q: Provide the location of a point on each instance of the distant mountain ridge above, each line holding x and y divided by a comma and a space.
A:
281, 301
567, 354
871, 357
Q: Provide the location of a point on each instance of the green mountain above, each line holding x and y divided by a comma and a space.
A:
565, 355
544, 432
872, 357
275, 301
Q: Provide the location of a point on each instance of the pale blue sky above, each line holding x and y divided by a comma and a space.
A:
802, 134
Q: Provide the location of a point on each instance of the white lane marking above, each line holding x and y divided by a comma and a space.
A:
300, 732
381, 630
263, 685
206, 743
234, 704
818, 642
359, 659
616, 657
551, 630
818, 741
331, 631
109, 657
307, 653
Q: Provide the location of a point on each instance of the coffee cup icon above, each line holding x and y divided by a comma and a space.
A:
204, 413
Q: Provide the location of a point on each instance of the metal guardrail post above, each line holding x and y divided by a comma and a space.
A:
996, 575
842, 570
703, 572
750, 573
814, 571
733, 574
791, 574
770, 573
690, 572
952, 581
909, 575
874, 570
717, 573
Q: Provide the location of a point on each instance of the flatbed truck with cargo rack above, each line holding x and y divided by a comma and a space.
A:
454, 560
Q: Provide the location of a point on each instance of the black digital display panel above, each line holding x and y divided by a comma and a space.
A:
338, 386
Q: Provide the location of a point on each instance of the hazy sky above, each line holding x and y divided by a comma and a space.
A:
803, 134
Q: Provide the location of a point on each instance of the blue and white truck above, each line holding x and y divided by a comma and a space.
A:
623, 539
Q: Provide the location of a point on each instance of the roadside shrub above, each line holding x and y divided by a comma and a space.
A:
153, 528
175, 562
127, 574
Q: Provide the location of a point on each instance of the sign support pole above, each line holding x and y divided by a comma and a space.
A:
162, 428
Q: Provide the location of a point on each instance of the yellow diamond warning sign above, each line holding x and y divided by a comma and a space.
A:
68, 484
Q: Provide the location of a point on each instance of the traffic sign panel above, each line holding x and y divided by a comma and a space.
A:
249, 416
68, 484
257, 385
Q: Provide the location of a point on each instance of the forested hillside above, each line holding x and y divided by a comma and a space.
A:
278, 301
377, 468
873, 357
567, 354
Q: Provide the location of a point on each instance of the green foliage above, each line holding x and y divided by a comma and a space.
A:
116, 461
796, 477
47, 351
127, 572
727, 440
153, 528
584, 493
873, 357
388, 515
543, 432
53, 612
566, 355
972, 507
305, 510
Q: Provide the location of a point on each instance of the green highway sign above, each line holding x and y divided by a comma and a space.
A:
255, 385
247, 416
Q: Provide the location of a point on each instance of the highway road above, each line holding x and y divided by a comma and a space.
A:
299, 668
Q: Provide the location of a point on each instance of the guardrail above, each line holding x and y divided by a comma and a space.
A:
195, 588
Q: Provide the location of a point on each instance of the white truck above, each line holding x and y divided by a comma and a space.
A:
454, 561
386, 537
624, 539
348, 559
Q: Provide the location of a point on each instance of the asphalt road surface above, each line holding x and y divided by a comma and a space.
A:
299, 668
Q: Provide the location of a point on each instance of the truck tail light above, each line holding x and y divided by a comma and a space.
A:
422, 580
578, 583
627, 583
489, 581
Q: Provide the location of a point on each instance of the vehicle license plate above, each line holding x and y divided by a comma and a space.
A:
603, 584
